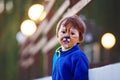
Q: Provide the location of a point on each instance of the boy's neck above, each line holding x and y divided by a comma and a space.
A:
64, 49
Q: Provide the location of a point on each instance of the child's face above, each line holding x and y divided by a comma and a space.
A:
68, 36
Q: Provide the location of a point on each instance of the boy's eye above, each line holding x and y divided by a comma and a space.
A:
63, 31
72, 33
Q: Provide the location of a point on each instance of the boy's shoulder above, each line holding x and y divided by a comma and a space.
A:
77, 53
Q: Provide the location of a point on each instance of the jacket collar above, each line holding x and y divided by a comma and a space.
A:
62, 53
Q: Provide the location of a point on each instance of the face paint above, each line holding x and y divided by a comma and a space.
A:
68, 36
66, 41
64, 27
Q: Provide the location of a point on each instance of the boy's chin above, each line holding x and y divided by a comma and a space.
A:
66, 47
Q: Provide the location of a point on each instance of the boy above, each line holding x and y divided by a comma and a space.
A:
69, 62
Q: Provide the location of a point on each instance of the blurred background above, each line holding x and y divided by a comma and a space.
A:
28, 41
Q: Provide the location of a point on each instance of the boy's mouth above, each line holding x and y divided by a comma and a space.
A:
66, 39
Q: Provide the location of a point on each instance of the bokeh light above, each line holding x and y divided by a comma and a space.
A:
35, 11
108, 40
28, 27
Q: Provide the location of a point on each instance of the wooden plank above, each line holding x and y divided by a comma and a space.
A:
56, 16
34, 49
76, 8
50, 44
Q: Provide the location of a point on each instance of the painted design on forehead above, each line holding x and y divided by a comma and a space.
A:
64, 27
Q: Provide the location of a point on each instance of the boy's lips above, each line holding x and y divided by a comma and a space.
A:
65, 42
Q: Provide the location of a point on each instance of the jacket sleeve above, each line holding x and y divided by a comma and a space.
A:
81, 70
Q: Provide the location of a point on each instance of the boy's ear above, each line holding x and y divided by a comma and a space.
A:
78, 42
80, 38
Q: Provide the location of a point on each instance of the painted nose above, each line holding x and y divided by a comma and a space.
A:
66, 38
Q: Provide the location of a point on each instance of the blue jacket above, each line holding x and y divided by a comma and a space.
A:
70, 65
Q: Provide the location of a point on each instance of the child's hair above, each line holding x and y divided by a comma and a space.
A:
76, 22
